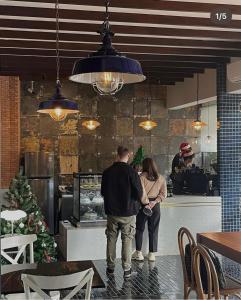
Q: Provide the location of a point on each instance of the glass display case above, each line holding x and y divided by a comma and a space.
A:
88, 203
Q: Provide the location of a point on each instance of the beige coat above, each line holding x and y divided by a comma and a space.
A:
151, 189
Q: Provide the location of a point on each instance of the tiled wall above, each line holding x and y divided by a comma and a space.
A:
229, 153
119, 120
9, 128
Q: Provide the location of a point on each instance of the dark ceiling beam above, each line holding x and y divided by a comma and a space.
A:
31, 54
52, 76
51, 36
123, 48
39, 12
153, 4
172, 69
66, 72
23, 66
8, 61
131, 30
170, 75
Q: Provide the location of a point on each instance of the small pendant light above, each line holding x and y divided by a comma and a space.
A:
91, 124
148, 124
208, 137
106, 69
58, 107
198, 124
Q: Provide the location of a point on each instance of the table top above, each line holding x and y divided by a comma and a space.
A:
226, 243
11, 278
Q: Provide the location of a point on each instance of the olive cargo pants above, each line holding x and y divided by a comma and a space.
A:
127, 227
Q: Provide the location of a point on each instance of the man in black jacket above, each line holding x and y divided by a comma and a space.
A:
122, 192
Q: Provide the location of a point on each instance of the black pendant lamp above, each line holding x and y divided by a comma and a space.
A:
58, 107
106, 69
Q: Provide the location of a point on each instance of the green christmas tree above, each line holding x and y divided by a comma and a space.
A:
21, 197
139, 157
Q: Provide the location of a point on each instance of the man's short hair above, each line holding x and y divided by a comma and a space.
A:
122, 151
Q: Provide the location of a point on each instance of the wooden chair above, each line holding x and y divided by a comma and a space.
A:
74, 280
185, 235
20, 242
233, 287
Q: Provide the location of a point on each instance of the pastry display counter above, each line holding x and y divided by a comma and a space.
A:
88, 204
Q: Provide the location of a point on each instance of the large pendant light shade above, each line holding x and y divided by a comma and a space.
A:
106, 69
58, 107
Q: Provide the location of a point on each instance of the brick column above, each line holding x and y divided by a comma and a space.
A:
9, 128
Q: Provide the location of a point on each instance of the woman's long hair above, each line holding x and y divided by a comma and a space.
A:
149, 167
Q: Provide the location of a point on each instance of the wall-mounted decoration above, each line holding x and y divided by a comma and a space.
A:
68, 164
68, 145
69, 127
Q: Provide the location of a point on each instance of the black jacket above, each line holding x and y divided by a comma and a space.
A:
122, 190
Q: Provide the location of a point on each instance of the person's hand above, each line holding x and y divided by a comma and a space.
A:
152, 204
148, 205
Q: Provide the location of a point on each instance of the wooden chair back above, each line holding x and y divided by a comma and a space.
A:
21, 242
185, 237
212, 278
75, 280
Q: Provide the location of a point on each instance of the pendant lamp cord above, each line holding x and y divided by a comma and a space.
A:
197, 96
57, 42
107, 14
149, 83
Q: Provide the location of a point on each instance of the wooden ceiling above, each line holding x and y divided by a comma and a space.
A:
173, 40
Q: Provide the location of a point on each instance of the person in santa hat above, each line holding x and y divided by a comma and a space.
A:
178, 158
180, 163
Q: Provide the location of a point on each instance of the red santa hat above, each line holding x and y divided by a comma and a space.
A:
185, 147
188, 153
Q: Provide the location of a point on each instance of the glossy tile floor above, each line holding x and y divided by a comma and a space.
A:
160, 280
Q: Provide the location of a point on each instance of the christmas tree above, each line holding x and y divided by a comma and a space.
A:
139, 157
21, 197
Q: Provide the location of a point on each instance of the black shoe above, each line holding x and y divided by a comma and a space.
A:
109, 271
127, 274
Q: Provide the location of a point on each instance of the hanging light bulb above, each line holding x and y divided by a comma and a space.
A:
208, 139
91, 124
198, 124
148, 124
195, 140
106, 69
57, 114
107, 83
58, 107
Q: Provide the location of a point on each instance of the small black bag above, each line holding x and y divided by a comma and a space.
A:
217, 265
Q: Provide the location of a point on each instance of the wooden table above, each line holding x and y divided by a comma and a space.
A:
11, 282
226, 243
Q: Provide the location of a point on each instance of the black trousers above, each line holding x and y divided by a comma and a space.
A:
153, 226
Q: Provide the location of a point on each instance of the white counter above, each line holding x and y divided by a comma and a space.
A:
198, 213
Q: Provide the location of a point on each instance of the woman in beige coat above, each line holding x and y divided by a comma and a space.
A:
154, 192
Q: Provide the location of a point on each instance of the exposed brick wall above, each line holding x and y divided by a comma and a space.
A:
9, 128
